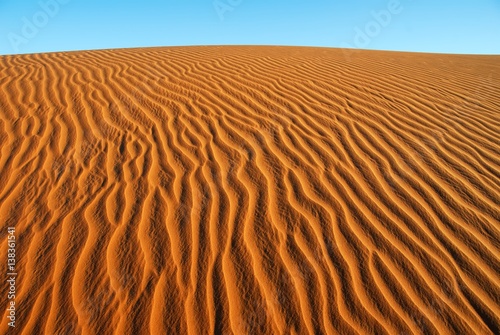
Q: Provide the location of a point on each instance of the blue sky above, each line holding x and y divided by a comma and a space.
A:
29, 26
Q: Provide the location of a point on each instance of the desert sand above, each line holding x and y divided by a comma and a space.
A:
251, 190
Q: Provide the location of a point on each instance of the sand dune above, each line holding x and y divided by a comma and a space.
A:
251, 190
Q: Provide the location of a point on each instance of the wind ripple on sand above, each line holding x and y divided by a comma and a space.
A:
251, 190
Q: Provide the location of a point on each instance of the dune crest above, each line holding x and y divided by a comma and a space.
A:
251, 190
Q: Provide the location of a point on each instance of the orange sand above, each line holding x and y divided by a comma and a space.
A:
251, 190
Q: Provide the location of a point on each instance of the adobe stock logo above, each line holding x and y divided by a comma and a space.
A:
221, 7
31, 27
373, 28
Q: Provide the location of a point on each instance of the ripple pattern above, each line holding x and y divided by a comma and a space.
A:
251, 190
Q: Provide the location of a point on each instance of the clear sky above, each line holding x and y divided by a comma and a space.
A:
29, 26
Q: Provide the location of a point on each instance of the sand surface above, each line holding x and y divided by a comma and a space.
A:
251, 190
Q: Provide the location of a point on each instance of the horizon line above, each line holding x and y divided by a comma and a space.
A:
248, 45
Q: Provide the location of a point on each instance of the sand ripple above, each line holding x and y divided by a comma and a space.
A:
240, 190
